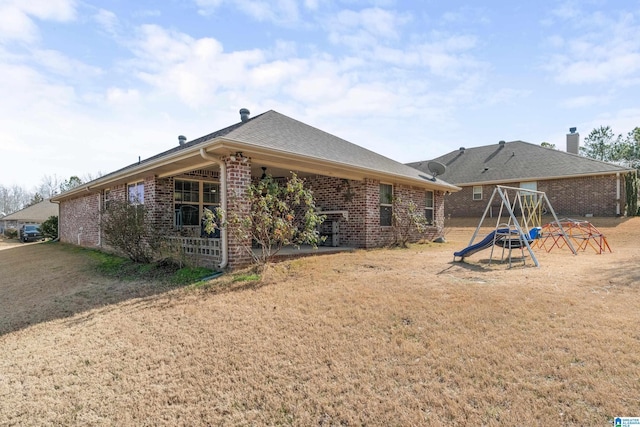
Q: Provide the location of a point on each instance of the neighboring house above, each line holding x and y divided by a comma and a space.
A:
34, 214
356, 188
575, 185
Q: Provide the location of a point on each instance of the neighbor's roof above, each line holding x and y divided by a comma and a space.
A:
35, 213
274, 134
515, 161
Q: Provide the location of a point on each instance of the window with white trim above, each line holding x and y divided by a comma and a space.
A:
428, 206
529, 198
136, 193
386, 205
107, 199
191, 198
477, 192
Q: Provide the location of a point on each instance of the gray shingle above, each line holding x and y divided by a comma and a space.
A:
279, 132
516, 160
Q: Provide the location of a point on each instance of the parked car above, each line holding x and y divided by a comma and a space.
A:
31, 233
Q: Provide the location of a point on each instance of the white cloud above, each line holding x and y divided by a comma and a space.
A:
507, 96
599, 48
16, 17
122, 96
311, 4
193, 69
60, 64
207, 7
108, 21
275, 11
583, 101
365, 27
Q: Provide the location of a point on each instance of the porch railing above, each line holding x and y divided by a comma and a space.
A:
200, 251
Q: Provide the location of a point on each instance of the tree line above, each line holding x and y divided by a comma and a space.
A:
14, 198
603, 144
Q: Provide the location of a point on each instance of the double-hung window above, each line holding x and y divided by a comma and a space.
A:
386, 205
107, 199
527, 197
477, 192
428, 206
136, 193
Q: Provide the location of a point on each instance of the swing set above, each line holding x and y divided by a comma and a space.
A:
518, 224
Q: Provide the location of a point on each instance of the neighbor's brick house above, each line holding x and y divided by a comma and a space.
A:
575, 186
356, 188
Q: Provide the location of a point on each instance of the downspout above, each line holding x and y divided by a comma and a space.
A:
618, 194
58, 236
100, 218
223, 203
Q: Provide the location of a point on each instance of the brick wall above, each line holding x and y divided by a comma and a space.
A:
158, 199
238, 180
80, 217
572, 197
361, 199
80, 220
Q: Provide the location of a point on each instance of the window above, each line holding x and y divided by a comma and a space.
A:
428, 206
107, 199
477, 192
136, 193
211, 193
190, 198
529, 198
386, 204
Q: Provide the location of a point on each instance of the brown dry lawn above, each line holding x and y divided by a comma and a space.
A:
381, 337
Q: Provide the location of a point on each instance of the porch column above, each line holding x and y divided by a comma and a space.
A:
238, 180
371, 213
438, 212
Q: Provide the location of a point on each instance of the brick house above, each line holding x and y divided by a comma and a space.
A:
34, 214
355, 188
575, 185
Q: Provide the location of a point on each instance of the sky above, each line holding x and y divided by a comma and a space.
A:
88, 87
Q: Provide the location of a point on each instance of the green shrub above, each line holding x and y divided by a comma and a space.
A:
126, 229
280, 214
49, 227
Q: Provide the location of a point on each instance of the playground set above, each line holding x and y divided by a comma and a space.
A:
519, 226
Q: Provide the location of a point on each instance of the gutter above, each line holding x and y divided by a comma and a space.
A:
223, 203
542, 178
57, 202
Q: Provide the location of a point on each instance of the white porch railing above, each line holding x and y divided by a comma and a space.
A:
202, 251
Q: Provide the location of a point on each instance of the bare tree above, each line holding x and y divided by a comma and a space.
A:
49, 186
13, 198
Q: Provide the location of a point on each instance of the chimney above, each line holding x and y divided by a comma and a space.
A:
244, 114
182, 139
573, 141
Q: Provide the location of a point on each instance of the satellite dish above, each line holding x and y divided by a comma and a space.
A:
436, 168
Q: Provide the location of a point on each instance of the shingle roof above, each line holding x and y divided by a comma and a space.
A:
37, 213
275, 131
513, 161
279, 132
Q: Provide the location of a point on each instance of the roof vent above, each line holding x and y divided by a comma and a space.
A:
501, 143
182, 139
244, 114
573, 130
462, 149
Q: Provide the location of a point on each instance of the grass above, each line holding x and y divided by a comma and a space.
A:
381, 337
114, 266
